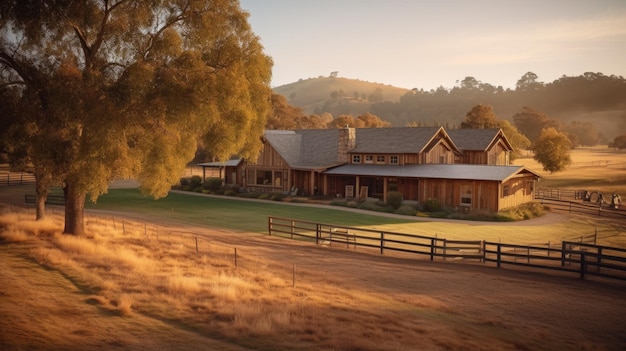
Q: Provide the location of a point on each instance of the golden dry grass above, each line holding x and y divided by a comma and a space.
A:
595, 169
286, 295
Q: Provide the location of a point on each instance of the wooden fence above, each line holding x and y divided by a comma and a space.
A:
583, 258
585, 208
8, 178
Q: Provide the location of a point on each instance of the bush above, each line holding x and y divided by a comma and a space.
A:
213, 184
277, 196
264, 196
195, 181
184, 182
406, 210
432, 205
230, 192
394, 199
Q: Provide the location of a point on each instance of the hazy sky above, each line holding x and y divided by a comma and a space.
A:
426, 44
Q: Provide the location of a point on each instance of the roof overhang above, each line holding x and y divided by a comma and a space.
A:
434, 171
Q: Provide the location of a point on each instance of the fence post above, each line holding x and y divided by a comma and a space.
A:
583, 264
499, 259
293, 224
599, 258
445, 252
317, 233
563, 254
382, 242
432, 249
235, 257
269, 225
197, 251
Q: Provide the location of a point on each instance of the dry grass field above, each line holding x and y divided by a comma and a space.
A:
143, 285
595, 169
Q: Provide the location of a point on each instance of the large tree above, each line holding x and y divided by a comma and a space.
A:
126, 88
552, 150
531, 122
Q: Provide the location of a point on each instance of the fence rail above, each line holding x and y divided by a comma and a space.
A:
585, 208
8, 178
583, 258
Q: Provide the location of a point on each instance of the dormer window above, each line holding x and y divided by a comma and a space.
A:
356, 158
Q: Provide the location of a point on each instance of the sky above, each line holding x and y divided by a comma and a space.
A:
426, 44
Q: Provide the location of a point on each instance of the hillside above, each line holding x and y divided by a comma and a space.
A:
337, 95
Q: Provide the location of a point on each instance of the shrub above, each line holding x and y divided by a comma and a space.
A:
264, 196
406, 210
213, 184
394, 199
195, 181
277, 197
432, 205
184, 182
230, 192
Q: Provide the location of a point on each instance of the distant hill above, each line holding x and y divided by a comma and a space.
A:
338, 95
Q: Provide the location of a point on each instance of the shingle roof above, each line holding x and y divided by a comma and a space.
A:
473, 139
307, 148
230, 163
393, 140
434, 171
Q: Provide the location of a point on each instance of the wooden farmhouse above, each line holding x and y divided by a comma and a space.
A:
466, 169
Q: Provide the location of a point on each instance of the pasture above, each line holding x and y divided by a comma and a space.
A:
136, 285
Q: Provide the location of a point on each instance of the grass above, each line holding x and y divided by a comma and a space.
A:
235, 214
281, 294
598, 168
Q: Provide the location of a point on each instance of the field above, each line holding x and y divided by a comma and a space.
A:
194, 272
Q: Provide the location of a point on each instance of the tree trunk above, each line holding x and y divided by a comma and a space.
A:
74, 208
41, 192
40, 210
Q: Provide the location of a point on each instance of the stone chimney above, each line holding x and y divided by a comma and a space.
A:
347, 142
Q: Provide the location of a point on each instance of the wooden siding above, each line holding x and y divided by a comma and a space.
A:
440, 153
497, 155
517, 191
484, 194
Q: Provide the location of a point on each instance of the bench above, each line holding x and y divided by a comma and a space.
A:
50, 200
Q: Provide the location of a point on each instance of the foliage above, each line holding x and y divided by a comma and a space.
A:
480, 117
406, 210
619, 142
195, 181
531, 122
552, 150
394, 199
431, 205
213, 184
104, 89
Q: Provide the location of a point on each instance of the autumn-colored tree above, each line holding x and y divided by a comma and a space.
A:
531, 122
582, 134
552, 150
367, 120
483, 116
283, 115
126, 88
480, 117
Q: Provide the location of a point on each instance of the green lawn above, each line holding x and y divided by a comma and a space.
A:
235, 214
251, 216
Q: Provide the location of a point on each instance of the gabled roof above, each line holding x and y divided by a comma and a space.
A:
477, 139
394, 140
434, 171
307, 148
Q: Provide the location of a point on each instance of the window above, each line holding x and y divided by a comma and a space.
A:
369, 159
356, 158
380, 159
264, 177
505, 190
393, 160
466, 195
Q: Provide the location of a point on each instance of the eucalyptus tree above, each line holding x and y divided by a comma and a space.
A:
127, 88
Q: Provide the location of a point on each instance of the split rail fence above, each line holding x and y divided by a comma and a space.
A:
582, 258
